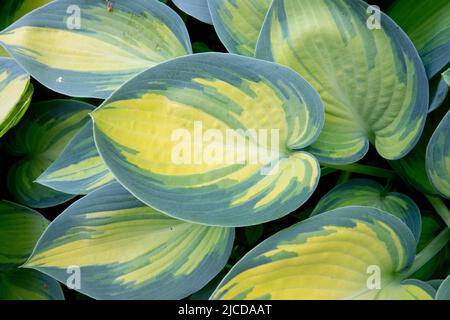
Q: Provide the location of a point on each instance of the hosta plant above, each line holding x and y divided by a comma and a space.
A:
225, 149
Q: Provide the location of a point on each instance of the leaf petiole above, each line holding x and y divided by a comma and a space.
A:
433, 248
441, 208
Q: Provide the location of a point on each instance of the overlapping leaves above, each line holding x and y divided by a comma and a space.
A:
329, 257
161, 189
15, 94
79, 168
126, 250
36, 142
367, 96
196, 8
427, 24
20, 229
80, 48
150, 135
238, 23
368, 193
12, 10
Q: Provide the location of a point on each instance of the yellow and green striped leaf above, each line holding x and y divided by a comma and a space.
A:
372, 81
438, 158
369, 193
80, 48
126, 250
15, 94
238, 23
13, 10
79, 169
36, 142
20, 229
213, 138
443, 293
21, 284
427, 22
197, 8
335, 255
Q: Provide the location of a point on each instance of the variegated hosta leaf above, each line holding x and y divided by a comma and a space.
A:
22, 284
15, 94
36, 142
197, 8
427, 23
443, 293
371, 79
126, 250
80, 48
79, 169
213, 138
347, 253
438, 158
12, 10
20, 229
369, 193
238, 23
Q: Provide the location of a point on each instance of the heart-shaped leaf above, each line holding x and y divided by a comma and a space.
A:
15, 94
81, 48
365, 68
197, 8
126, 250
427, 24
213, 138
347, 253
238, 23
79, 169
368, 193
36, 142
20, 228
438, 158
